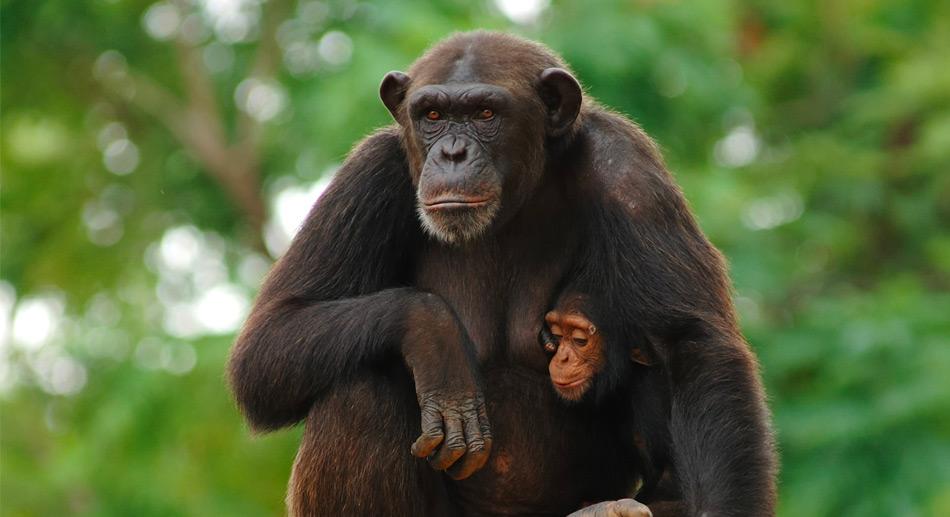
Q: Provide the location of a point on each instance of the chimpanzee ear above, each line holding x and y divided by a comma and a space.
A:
561, 93
393, 90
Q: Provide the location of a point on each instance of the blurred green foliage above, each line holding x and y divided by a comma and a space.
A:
812, 139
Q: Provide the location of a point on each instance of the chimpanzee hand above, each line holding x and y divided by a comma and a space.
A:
621, 508
459, 423
547, 339
456, 435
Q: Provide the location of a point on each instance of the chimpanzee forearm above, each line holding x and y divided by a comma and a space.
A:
722, 442
330, 303
337, 302
292, 350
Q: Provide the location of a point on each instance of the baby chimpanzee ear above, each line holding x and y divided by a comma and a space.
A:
639, 356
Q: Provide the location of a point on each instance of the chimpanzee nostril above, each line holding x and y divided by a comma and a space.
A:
454, 150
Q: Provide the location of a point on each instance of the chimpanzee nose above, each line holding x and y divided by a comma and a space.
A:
454, 149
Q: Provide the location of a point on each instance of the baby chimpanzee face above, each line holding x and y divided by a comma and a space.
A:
578, 352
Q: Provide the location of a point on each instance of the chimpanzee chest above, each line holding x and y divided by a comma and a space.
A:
548, 457
499, 297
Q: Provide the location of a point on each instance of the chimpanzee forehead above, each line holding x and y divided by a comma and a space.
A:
464, 66
484, 57
466, 69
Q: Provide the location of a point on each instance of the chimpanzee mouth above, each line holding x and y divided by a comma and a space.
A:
455, 218
571, 391
451, 202
569, 384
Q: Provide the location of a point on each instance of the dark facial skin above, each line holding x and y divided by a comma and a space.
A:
474, 152
458, 128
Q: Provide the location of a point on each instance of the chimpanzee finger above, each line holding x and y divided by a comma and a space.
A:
453, 447
432, 433
545, 337
483, 424
621, 508
628, 508
596, 510
476, 452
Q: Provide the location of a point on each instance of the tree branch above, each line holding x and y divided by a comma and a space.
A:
198, 123
265, 66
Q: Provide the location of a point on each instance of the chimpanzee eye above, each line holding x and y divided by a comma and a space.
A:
556, 336
578, 341
486, 114
433, 115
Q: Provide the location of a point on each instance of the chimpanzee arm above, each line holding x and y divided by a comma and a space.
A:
338, 301
666, 279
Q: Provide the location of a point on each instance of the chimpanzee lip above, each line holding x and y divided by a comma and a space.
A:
456, 202
568, 384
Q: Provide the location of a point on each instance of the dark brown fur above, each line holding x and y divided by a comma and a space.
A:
367, 319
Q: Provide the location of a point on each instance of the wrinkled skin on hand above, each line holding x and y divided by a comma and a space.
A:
621, 508
455, 432
456, 435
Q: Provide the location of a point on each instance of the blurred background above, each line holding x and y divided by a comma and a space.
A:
157, 156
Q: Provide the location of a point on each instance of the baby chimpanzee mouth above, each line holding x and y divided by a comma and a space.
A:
569, 384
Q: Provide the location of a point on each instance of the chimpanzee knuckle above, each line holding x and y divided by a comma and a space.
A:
457, 401
466, 407
427, 399
477, 399
433, 401
486, 437
482, 409
429, 407
476, 446
433, 434
432, 429
450, 412
456, 442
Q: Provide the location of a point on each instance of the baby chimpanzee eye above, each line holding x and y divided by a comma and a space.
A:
580, 341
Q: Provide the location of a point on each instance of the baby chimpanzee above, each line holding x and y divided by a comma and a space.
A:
577, 347
583, 368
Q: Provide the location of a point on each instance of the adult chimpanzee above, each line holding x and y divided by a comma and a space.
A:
414, 293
